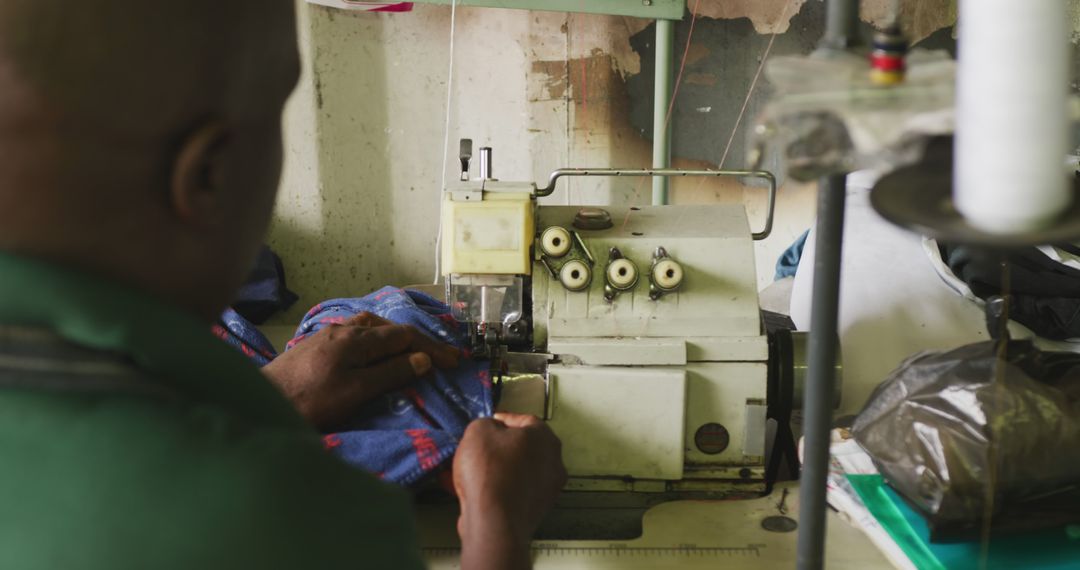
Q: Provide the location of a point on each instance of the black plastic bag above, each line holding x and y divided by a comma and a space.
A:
1045, 294
947, 426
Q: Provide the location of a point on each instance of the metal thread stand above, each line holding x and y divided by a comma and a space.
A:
662, 85
821, 377
841, 33
841, 24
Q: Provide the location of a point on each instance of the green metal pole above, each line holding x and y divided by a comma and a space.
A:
665, 58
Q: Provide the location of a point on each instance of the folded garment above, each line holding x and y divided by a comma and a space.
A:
1044, 283
264, 293
236, 330
788, 263
404, 435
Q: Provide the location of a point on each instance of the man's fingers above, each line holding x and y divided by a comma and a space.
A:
367, 319
444, 355
420, 363
393, 373
364, 385
518, 420
370, 345
379, 342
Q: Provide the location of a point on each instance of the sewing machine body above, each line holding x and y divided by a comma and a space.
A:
667, 392
655, 380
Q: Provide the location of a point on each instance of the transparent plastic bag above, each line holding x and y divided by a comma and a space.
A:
964, 434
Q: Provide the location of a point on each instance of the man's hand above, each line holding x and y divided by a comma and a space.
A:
341, 367
507, 473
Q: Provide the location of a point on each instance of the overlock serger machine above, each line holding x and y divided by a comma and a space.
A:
635, 332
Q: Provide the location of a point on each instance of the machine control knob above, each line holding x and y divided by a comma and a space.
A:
667, 274
575, 275
555, 242
593, 219
622, 274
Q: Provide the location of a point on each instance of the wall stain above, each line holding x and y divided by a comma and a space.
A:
696, 53
553, 80
706, 79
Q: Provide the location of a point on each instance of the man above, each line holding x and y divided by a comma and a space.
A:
140, 149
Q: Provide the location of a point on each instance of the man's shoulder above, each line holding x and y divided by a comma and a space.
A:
147, 480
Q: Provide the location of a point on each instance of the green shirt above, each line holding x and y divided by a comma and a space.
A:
130, 437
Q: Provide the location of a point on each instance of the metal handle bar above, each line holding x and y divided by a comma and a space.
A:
641, 172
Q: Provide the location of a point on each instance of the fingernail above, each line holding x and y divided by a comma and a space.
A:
421, 363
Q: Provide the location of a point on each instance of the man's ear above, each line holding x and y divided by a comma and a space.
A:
197, 187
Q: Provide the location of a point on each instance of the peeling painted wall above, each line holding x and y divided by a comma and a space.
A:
919, 18
364, 132
767, 16
713, 117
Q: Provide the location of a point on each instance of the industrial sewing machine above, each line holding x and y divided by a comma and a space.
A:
635, 332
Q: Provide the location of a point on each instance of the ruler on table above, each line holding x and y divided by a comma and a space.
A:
683, 534
564, 555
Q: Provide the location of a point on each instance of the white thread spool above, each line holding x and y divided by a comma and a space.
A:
1011, 122
622, 274
668, 274
555, 241
575, 275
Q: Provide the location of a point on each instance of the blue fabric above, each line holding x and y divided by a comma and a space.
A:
264, 293
404, 435
238, 332
789, 260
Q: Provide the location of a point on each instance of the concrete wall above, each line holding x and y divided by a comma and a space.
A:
365, 130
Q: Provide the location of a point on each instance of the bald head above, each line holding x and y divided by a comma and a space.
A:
151, 67
140, 139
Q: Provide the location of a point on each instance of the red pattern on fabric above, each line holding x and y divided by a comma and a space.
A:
427, 453
415, 397
331, 441
294, 341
